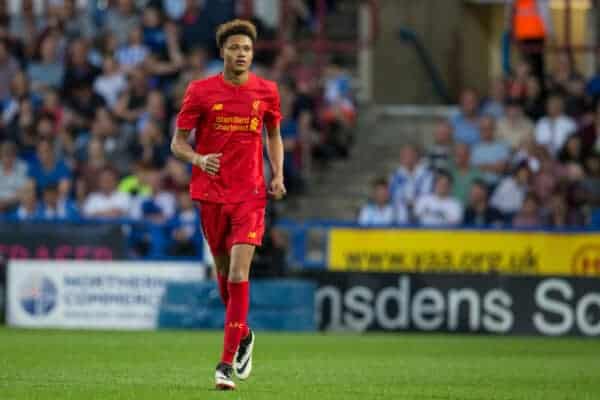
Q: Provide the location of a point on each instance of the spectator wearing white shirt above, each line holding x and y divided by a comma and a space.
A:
380, 211
111, 83
412, 179
510, 193
108, 202
439, 208
553, 130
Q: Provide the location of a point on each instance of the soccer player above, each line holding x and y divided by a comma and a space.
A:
228, 112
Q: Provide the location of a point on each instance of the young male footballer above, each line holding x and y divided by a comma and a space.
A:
228, 112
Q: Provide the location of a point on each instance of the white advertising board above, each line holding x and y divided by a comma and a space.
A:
91, 294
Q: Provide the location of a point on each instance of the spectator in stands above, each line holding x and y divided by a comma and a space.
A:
20, 90
134, 52
578, 201
83, 104
591, 182
577, 104
379, 211
107, 202
463, 173
130, 105
518, 84
8, 68
13, 176
184, 227
412, 179
530, 215
162, 68
56, 207
514, 127
136, 184
572, 152
439, 155
195, 66
26, 26
466, 121
491, 155
292, 144
48, 70
177, 177
494, 105
89, 168
160, 205
28, 207
121, 19
155, 111
46, 170
439, 208
75, 21
590, 131
508, 197
553, 130
339, 112
115, 140
534, 102
111, 83
195, 27
550, 173
79, 70
559, 215
562, 75
479, 213
151, 146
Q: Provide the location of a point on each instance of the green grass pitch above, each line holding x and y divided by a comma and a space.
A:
165, 365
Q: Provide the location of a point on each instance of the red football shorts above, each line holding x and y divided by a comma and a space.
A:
225, 225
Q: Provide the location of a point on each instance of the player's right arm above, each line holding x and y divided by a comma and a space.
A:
191, 111
181, 149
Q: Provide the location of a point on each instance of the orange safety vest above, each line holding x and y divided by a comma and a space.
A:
527, 21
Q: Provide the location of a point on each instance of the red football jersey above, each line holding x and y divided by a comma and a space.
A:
229, 119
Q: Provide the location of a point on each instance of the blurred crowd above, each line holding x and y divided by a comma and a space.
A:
527, 155
89, 92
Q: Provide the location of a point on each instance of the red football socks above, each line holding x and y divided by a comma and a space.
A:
235, 319
222, 281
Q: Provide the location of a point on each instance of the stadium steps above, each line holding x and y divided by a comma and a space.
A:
340, 190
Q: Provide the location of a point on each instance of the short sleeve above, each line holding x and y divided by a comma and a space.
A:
191, 109
273, 111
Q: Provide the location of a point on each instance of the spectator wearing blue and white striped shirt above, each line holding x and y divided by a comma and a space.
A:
412, 179
380, 212
135, 52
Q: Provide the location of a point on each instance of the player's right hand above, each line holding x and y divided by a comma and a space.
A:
209, 163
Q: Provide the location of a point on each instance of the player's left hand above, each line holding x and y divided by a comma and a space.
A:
277, 188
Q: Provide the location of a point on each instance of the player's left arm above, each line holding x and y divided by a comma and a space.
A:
275, 152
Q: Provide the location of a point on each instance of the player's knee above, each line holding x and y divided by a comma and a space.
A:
238, 275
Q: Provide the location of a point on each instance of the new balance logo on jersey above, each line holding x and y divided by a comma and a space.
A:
252, 235
217, 107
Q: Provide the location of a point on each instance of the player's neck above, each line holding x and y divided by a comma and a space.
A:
234, 78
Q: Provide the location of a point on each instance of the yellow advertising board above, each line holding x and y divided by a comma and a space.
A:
465, 251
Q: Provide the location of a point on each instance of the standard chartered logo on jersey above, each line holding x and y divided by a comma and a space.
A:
236, 123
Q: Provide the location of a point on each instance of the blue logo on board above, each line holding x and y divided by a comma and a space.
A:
38, 296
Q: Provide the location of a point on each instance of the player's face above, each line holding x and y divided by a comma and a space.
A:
237, 53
